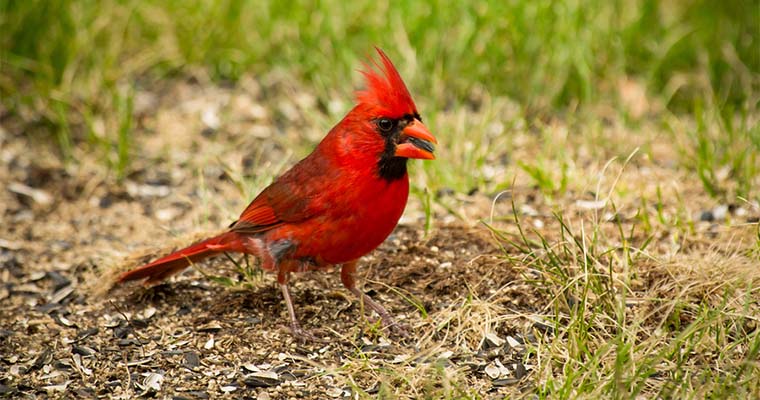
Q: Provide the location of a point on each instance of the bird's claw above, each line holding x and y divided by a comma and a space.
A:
398, 329
305, 336
389, 324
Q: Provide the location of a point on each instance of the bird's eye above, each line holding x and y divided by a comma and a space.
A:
385, 124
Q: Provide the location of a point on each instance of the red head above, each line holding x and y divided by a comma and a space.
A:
386, 91
387, 105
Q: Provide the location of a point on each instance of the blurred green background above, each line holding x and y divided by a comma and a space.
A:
63, 61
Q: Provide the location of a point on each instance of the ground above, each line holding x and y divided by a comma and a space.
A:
490, 292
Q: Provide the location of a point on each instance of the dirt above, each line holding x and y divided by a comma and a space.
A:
205, 339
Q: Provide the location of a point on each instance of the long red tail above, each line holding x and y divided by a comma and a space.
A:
166, 266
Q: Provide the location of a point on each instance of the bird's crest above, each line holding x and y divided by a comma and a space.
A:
385, 88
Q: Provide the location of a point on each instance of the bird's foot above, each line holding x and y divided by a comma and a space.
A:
387, 321
390, 324
305, 336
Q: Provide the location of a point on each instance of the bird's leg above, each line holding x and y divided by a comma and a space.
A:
295, 327
348, 277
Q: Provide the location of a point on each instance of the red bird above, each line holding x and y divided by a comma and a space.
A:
334, 206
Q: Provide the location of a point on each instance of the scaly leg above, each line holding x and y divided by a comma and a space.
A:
348, 277
295, 327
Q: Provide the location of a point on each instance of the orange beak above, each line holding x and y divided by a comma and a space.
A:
416, 142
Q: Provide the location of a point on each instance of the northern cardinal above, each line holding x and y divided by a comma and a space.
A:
334, 206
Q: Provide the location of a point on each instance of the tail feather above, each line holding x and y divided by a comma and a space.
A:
164, 267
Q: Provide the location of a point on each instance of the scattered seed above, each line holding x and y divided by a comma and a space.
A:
513, 342
39, 196
121, 332
139, 362
83, 334
78, 364
503, 370
520, 370
493, 371
83, 350
128, 342
139, 323
504, 382
262, 379
113, 322
374, 389
36, 275
43, 359
250, 367
400, 358
61, 320
494, 340
48, 308
50, 376
192, 360
57, 388
212, 327
334, 392
148, 313
263, 396
59, 281
543, 327
153, 382
61, 294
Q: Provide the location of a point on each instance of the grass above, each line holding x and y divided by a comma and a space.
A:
59, 59
622, 119
620, 332
722, 149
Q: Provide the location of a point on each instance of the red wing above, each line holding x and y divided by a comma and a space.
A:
290, 198
259, 216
